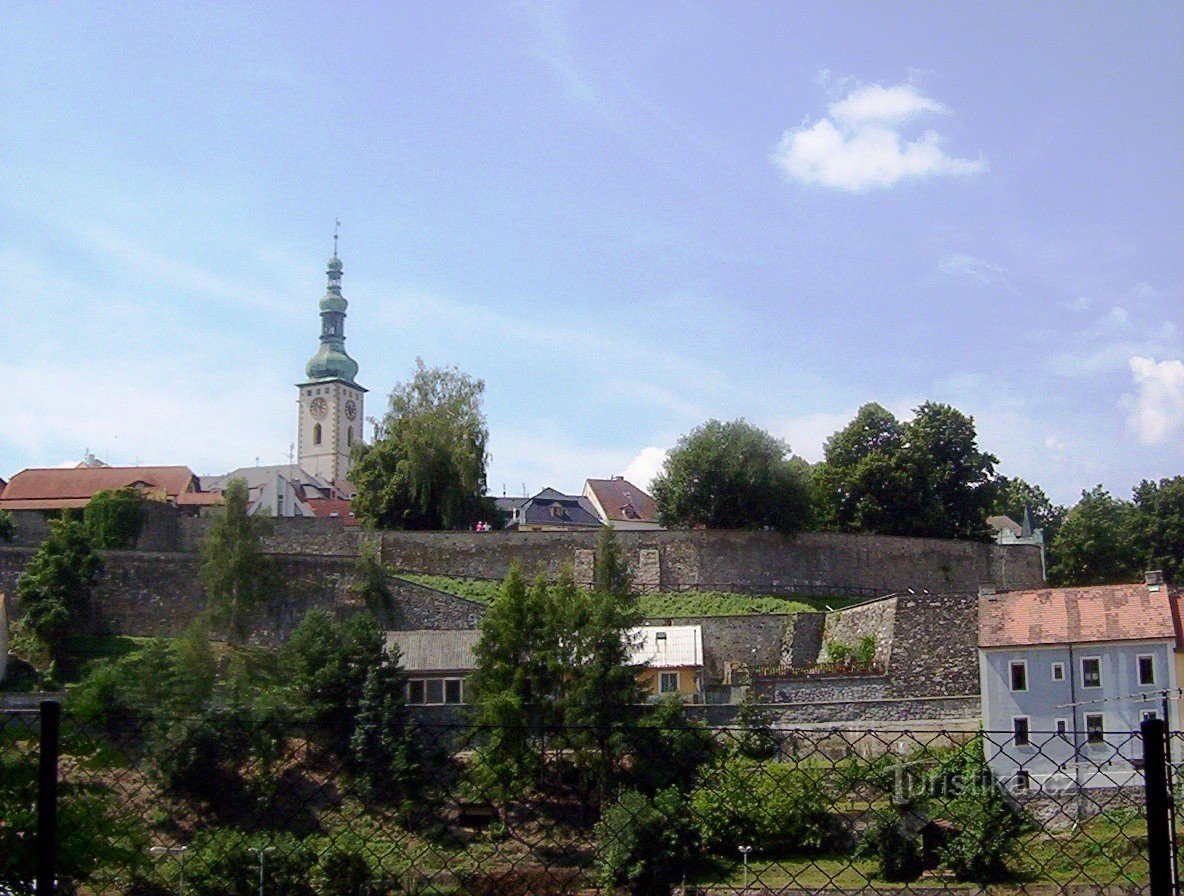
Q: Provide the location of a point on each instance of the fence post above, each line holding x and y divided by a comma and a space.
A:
1155, 787
47, 798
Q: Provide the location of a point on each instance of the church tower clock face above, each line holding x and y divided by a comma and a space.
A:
318, 408
351, 410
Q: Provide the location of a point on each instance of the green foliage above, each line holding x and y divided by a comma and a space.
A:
838, 653
235, 573
220, 863
1097, 542
864, 653
327, 663
7, 526
370, 581
201, 756
731, 476
1013, 496
896, 852
1160, 525
483, 591
752, 735
925, 478
114, 517
342, 870
55, 587
668, 748
785, 808
425, 468
384, 755
646, 843
610, 573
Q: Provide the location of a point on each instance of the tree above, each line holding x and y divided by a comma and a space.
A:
731, 476
56, 586
610, 572
1160, 525
955, 478
114, 517
863, 484
370, 582
1096, 544
235, 572
384, 754
7, 526
926, 477
1013, 496
426, 466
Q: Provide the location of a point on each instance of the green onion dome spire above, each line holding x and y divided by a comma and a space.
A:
331, 360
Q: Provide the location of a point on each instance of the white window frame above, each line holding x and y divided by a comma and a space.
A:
1150, 657
1011, 667
1015, 732
1101, 741
1058, 672
1091, 659
663, 678
425, 682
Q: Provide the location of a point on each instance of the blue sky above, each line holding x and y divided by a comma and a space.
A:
625, 218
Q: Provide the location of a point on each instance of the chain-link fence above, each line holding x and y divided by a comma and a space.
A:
238, 802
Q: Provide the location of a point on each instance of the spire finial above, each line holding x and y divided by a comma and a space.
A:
336, 225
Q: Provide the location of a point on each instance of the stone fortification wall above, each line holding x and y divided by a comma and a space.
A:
148, 594
891, 713
735, 639
802, 643
874, 619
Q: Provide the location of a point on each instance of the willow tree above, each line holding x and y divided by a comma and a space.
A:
425, 468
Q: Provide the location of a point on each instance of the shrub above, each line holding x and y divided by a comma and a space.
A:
200, 757
837, 653
114, 518
865, 651
220, 863
342, 871
668, 749
897, 852
783, 807
646, 843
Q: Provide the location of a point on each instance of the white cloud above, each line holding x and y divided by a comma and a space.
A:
1158, 409
975, 268
861, 144
645, 467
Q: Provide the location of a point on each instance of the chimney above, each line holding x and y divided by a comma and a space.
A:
988, 591
1154, 579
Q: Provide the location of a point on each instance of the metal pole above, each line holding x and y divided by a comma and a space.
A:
261, 851
1155, 787
47, 798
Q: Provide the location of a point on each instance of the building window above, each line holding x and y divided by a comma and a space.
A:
316, 434
415, 691
1091, 672
1019, 731
1019, 675
349, 436
452, 690
668, 683
1058, 671
1146, 669
1062, 727
1095, 733
1021, 782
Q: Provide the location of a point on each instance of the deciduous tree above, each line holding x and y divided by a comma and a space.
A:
731, 476
1096, 544
426, 466
56, 585
1160, 525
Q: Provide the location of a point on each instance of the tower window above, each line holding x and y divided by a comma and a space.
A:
316, 434
349, 436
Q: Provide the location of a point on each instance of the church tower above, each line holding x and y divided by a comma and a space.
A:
331, 403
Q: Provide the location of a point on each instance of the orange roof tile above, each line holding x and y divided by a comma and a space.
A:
50, 489
1079, 615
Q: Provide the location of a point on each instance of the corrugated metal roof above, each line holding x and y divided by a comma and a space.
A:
444, 650
667, 646
1078, 615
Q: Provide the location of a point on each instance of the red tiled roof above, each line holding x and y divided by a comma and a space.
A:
333, 507
616, 495
1079, 615
51, 489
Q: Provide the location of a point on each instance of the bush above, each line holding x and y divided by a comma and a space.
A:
114, 518
668, 749
220, 863
200, 757
837, 653
897, 853
781, 806
646, 843
342, 871
865, 652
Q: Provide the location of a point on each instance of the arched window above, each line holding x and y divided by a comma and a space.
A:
316, 434
349, 436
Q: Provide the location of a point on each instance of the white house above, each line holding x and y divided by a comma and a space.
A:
1068, 675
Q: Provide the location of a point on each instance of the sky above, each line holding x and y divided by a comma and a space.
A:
624, 218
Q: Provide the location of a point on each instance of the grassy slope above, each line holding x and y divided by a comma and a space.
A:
660, 603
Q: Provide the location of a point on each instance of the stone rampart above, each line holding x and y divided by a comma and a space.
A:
754, 638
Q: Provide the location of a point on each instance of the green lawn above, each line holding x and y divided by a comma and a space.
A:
660, 603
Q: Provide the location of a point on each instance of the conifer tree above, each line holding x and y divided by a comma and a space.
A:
235, 574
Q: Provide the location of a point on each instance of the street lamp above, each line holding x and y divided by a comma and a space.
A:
173, 851
744, 851
261, 851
